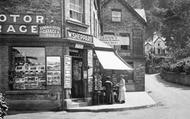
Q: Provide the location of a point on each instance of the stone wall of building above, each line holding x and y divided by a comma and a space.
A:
131, 24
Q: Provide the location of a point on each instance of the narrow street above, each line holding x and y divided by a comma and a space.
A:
173, 102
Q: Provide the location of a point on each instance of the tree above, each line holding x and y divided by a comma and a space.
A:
176, 26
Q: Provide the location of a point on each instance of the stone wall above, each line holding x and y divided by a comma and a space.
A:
132, 25
4, 68
179, 78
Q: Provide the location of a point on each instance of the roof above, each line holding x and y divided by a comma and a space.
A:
142, 13
148, 42
139, 15
156, 37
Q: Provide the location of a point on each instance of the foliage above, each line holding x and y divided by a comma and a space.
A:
3, 106
175, 25
182, 66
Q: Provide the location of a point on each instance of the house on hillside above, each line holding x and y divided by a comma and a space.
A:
123, 28
156, 45
148, 47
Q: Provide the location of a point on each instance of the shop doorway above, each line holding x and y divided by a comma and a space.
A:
77, 90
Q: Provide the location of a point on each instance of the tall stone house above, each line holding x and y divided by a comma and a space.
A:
123, 28
46, 52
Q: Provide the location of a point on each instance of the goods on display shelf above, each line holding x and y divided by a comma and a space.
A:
53, 77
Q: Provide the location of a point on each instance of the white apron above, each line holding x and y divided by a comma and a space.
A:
122, 90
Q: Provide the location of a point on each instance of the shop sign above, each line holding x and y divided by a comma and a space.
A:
79, 46
115, 40
50, 32
20, 24
67, 72
72, 35
18, 29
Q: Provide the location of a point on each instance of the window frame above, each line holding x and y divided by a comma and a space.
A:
73, 10
13, 67
114, 17
128, 46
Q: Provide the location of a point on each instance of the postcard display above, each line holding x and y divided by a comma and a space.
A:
29, 72
33, 77
53, 71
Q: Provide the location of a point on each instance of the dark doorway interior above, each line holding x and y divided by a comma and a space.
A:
77, 90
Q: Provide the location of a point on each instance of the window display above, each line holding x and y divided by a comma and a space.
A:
28, 68
53, 71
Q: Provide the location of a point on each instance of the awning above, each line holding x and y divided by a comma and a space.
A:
109, 60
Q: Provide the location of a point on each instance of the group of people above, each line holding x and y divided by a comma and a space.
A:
110, 95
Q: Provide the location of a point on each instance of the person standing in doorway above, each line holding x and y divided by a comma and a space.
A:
122, 89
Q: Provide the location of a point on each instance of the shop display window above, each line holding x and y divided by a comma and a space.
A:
53, 71
27, 68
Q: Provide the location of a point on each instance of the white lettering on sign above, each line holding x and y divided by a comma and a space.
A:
34, 29
39, 19
11, 29
27, 19
18, 29
3, 18
14, 17
22, 19
79, 46
20, 24
80, 37
23, 29
50, 32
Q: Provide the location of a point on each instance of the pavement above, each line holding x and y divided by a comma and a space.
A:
134, 100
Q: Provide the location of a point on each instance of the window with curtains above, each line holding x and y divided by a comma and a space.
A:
76, 10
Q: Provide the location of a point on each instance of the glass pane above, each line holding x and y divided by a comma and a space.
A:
53, 71
53, 63
28, 66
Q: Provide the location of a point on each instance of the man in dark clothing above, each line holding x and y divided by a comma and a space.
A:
109, 90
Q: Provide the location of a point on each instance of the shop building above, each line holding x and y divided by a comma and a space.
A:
46, 53
123, 28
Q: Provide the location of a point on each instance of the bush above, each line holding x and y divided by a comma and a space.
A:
182, 66
187, 67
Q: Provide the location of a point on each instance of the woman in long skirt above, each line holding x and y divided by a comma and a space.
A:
122, 89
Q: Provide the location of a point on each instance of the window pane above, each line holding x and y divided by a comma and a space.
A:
76, 9
28, 68
116, 16
53, 71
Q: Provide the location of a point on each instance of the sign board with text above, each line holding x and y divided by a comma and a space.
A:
67, 71
20, 23
76, 36
115, 40
50, 32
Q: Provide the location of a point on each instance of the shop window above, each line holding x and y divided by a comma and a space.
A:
116, 15
53, 70
27, 68
76, 10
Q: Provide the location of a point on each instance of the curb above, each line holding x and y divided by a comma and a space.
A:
109, 109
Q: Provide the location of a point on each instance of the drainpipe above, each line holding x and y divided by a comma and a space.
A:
62, 93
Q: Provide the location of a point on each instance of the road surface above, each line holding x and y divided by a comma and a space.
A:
173, 102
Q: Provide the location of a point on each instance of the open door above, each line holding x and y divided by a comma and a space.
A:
77, 90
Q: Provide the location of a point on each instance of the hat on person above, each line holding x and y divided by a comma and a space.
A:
108, 77
122, 76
